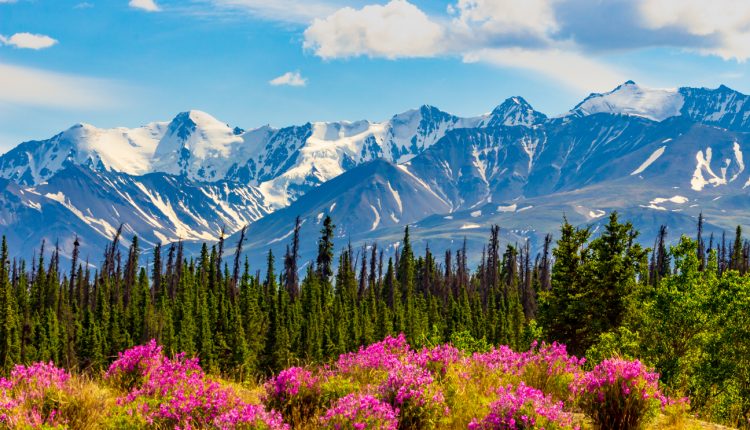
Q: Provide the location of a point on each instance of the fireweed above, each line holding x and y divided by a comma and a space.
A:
296, 393
176, 393
250, 417
410, 388
384, 355
523, 407
549, 368
386, 385
619, 394
30, 397
436, 359
360, 412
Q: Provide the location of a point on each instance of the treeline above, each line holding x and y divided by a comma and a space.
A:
681, 309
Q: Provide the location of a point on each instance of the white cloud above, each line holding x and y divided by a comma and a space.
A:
570, 68
488, 18
395, 30
147, 5
723, 24
504, 33
7, 1
28, 41
26, 86
292, 79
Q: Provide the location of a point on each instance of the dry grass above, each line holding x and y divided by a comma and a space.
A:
88, 404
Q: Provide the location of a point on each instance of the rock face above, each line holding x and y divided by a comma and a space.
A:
657, 155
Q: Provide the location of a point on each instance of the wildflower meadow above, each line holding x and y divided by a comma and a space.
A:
387, 385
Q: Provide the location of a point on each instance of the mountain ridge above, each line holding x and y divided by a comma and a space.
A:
194, 177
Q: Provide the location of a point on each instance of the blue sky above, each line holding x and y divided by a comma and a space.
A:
281, 62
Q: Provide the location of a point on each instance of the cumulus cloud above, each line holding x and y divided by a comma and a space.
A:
26, 86
722, 24
147, 5
504, 33
400, 29
28, 41
292, 79
562, 39
485, 19
395, 30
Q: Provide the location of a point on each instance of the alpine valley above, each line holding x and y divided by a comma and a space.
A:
657, 156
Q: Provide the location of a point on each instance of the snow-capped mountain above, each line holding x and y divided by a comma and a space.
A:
657, 155
632, 99
301, 158
721, 107
513, 111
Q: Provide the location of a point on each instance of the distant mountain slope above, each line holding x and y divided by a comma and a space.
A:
658, 155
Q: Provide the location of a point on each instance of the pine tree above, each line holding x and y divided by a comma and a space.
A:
325, 250
561, 308
736, 260
10, 350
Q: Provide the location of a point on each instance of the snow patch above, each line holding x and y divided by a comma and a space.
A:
703, 164
740, 161
650, 160
509, 208
631, 99
469, 226
396, 197
376, 222
654, 204
476, 214
596, 213
279, 239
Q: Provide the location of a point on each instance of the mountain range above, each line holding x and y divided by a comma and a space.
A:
657, 156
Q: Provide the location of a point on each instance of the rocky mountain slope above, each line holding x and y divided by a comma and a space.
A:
657, 155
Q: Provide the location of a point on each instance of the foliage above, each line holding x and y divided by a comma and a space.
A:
356, 412
387, 385
684, 312
523, 407
619, 394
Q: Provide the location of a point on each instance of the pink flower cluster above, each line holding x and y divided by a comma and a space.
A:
502, 359
27, 397
360, 412
384, 355
133, 364
631, 377
407, 383
523, 407
177, 393
619, 394
250, 417
437, 359
410, 388
288, 383
552, 357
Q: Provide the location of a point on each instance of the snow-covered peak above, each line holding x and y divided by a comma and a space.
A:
514, 111
722, 107
656, 104
197, 145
